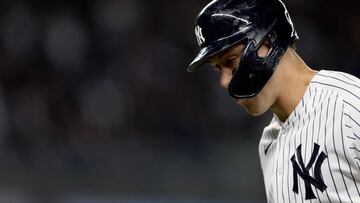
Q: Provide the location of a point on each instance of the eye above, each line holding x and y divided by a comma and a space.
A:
230, 62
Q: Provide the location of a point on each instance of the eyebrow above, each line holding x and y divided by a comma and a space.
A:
224, 52
221, 54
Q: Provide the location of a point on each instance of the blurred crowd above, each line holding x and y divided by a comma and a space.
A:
94, 98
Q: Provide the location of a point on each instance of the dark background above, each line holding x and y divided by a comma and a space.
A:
96, 105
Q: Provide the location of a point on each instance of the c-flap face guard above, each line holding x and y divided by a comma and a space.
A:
253, 72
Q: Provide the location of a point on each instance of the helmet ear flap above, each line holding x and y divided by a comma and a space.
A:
271, 37
254, 71
270, 41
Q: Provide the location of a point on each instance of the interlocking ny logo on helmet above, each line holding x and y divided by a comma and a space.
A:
228, 22
199, 36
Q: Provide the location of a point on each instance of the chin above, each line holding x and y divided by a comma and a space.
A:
253, 111
252, 106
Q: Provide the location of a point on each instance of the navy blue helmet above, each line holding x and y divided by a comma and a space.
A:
224, 23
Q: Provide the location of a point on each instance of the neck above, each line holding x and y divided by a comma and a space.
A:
295, 77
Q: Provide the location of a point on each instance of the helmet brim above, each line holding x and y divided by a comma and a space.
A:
216, 47
202, 58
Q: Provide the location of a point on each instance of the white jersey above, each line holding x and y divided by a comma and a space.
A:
314, 156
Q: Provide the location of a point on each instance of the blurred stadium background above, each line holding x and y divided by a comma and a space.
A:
96, 105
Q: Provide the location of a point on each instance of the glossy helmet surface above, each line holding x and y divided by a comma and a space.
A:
224, 23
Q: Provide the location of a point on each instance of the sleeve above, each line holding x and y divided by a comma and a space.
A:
354, 135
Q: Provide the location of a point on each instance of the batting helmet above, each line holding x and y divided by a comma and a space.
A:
223, 23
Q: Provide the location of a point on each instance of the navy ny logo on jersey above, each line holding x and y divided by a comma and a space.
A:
302, 171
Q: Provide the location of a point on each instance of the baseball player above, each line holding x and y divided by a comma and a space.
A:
310, 151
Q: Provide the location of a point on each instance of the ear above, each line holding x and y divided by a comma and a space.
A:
264, 49
266, 43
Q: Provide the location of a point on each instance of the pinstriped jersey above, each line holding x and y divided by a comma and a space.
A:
314, 156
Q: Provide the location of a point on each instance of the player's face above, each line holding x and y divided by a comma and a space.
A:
227, 61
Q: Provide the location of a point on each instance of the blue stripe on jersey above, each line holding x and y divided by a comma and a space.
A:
351, 106
321, 111
352, 119
328, 159
289, 136
354, 149
347, 76
356, 136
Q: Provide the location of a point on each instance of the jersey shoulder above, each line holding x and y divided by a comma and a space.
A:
343, 84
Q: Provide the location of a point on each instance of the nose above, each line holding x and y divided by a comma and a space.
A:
225, 78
